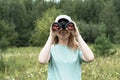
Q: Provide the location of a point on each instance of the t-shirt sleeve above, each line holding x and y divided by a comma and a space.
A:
80, 56
51, 51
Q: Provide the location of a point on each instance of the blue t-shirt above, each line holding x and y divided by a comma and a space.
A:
64, 64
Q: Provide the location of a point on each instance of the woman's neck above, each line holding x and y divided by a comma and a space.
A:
63, 42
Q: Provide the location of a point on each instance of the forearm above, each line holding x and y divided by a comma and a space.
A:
44, 55
87, 52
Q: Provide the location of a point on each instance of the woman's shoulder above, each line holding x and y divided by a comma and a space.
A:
53, 45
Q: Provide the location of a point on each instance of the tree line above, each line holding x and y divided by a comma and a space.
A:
27, 22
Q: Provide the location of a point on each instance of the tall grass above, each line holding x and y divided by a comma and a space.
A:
22, 64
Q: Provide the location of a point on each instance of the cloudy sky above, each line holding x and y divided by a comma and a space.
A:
55, 0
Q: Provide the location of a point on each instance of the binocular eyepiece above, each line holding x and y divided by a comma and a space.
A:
63, 25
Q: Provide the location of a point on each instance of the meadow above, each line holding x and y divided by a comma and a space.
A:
22, 64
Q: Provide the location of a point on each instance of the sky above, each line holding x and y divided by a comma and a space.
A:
59, 0
55, 0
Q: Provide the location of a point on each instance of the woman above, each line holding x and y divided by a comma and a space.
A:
65, 49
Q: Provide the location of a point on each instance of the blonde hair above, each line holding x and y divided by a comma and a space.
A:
72, 43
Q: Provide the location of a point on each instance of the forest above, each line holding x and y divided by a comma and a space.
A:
27, 22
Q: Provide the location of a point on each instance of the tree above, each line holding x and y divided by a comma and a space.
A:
88, 10
117, 36
7, 34
91, 31
103, 46
41, 32
109, 17
67, 7
117, 29
117, 7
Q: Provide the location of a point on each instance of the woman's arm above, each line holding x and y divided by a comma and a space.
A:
44, 55
87, 52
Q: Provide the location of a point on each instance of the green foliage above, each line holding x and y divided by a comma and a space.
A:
4, 43
117, 7
41, 6
102, 68
41, 32
103, 46
91, 31
24, 14
88, 10
117, 36
2, 65
67, 6
117, 30
17, 8
108, 16
21, 64
7, 34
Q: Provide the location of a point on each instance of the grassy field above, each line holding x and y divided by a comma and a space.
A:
22, 64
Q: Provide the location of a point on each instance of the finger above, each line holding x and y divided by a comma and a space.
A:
75, 25
67, 29
59, 29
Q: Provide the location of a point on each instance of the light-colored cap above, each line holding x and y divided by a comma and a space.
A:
63, 17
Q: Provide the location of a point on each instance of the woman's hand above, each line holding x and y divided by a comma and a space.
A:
75, 32
53, 33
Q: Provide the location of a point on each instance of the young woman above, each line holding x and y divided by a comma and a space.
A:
65, 49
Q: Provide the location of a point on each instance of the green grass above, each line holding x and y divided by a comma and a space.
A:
22, 64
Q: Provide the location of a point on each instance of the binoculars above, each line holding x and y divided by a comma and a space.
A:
63, 25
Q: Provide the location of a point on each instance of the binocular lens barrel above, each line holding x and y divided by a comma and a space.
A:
57, 26
70, 26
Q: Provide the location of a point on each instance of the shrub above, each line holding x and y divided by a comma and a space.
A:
7, 34
3, 44
103, 46
117, 36
2, 64
91, 31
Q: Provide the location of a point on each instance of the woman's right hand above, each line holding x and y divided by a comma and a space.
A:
53, 33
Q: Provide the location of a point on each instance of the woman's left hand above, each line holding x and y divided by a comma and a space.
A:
75, 31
